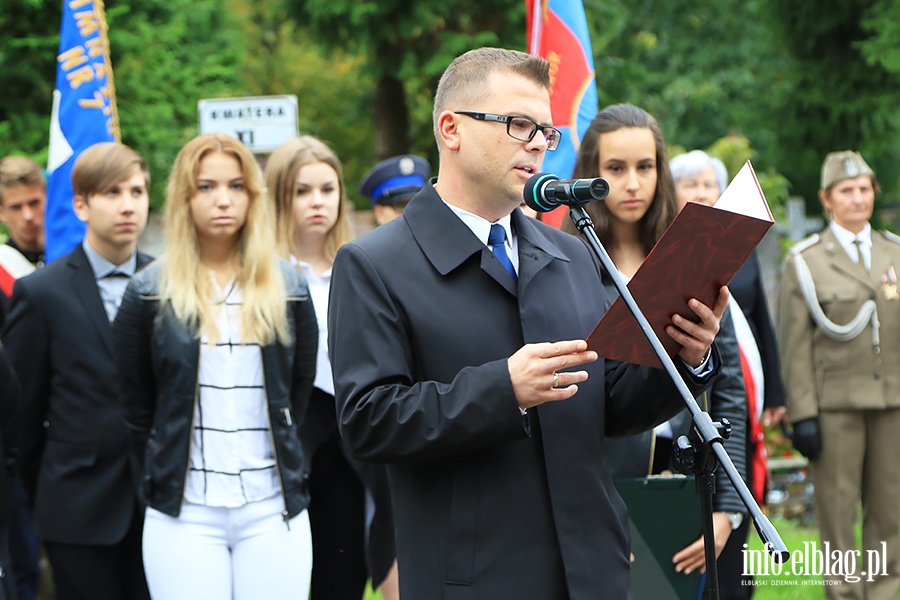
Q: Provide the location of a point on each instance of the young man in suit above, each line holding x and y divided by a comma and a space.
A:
840, 326
23, 193
447, 367
9, 408
74, 457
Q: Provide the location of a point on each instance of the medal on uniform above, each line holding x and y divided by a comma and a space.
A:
889, 284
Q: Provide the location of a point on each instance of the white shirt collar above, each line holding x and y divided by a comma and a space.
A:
103, 267
308, 271
480, 226
846, 237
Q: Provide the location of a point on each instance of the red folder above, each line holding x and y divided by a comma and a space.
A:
700, 252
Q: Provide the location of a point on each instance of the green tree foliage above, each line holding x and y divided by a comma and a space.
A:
333, 87
703, 69
406, 45
844, 87
882, 22
29, 41
167, 55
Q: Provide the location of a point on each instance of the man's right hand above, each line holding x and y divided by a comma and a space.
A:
532, 369
807, 438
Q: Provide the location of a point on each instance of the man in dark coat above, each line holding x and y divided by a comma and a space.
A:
446, 367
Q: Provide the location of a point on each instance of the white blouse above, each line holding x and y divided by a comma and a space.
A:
232, 460
319, 286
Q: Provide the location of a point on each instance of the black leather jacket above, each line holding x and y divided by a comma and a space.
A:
158, 359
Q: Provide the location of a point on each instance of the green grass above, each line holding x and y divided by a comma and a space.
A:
788, 587
370, 595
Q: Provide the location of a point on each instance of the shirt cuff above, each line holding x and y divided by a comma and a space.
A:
704, 369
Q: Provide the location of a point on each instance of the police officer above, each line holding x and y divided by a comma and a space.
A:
392, 183
840, 351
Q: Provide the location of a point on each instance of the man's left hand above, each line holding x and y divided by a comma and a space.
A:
697, 338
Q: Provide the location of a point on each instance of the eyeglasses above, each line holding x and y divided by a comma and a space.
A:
519, 128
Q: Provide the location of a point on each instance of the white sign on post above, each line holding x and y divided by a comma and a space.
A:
262, 123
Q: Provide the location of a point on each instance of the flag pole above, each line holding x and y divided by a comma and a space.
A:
100, 9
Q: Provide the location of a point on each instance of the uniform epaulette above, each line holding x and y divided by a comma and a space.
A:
804, 244
891, 237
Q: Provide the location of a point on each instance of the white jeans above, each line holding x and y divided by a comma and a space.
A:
244, 553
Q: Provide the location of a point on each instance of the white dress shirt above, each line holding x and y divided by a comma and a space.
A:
232, 459
846, 238
481, 227
111, 279
319, 285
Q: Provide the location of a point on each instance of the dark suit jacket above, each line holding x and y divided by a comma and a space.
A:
74, 447
487, 504
9, 409
747, 288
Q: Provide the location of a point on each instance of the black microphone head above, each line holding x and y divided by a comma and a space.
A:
532, 192
599, 189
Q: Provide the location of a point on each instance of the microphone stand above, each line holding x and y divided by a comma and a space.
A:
702, 450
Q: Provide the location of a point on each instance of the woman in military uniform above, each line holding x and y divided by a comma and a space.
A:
840, 326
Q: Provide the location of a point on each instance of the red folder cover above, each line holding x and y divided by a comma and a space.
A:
701, 251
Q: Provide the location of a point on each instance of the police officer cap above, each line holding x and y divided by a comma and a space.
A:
844, 165
395, 179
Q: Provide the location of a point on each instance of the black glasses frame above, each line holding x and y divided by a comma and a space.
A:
552, 143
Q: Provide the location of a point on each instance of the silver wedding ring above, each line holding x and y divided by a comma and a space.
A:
555, 379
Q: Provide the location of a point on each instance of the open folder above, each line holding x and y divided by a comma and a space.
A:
700, 252
656, 534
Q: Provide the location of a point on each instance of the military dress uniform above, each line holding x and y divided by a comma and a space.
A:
840, 351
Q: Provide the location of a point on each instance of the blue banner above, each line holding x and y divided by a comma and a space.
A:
84, 114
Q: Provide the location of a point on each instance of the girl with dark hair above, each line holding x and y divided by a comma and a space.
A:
624, 144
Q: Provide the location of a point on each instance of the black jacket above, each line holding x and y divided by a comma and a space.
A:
158, 359
9, 407
73, 444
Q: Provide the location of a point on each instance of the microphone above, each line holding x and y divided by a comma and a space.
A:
546, 191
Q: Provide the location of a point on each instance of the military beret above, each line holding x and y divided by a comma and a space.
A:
395, 179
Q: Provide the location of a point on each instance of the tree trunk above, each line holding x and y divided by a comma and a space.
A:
391, 118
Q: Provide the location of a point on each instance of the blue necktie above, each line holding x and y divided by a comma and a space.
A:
497, 242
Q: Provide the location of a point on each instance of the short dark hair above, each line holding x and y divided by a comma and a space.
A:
20, 170
466, 75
